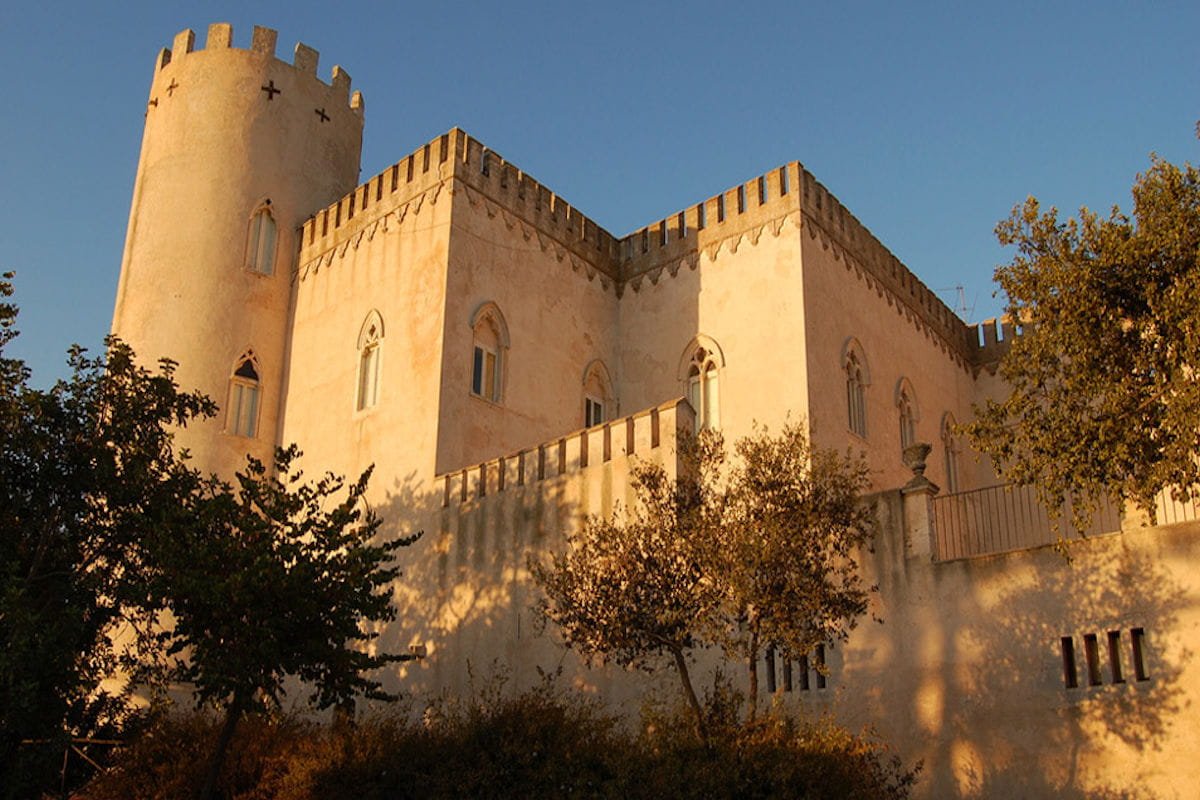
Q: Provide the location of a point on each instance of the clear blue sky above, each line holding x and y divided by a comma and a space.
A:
929, 121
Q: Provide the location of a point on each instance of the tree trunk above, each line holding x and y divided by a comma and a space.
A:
232, 714
690, 694
752, 665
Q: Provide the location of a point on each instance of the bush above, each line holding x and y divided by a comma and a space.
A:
539, 743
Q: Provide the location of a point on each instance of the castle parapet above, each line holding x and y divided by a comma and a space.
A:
993, 338
649, 435
737, 210
406, 180
262, 42
487, 172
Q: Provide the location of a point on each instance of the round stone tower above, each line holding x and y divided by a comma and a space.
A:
239, 149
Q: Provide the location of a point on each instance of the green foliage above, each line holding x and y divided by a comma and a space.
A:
1105, 397
539, 743
266, 582
754, 554
104, 527
86, 472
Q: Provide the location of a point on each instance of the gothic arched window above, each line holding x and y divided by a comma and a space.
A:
951, 448
856, 382
906, 406
489, 348
370, 345
597, 395
260, 247
703, 388
242, 413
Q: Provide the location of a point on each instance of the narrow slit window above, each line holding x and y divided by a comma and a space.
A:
1091, 656
770, 661
803, 670
1138, 639
1114, 656
1070, 673
819, 665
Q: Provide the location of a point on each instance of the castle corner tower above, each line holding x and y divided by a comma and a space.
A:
239, 149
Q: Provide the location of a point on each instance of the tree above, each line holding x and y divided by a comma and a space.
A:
1105, 378
104, 526
759, 555
266, 583
86, 472
636, 587
786, 554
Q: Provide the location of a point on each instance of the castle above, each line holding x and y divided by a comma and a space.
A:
502, 360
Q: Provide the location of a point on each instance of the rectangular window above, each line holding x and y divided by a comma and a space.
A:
1138, 637
485, 375
368, 378
593, 412
1091, 655
243, 408
477, 373
1114, 656
1070, 675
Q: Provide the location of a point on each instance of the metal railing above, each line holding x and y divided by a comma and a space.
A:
1001, 519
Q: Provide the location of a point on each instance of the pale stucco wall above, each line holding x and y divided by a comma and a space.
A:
559, 319
735, 281
217, 147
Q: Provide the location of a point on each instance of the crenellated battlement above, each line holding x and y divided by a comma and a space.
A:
409, 180
680, 236
993, 338
262, 42
479, 170
486, 172
786, 192
641, 435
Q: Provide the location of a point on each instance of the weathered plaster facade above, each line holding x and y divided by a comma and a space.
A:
451, 321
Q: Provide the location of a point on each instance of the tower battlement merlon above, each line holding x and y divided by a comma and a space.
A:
492, 177
263, 43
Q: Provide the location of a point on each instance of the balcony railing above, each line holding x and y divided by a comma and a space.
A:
1001, 519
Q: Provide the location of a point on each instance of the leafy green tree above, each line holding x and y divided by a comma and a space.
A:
278, 579
104, 526
785, 556
86, 473
1105, 378
759, 554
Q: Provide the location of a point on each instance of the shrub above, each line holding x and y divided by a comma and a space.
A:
538, 743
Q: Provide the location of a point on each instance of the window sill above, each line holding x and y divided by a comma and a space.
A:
482, 399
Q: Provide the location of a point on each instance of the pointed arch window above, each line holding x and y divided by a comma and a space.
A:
856, 403
703, 388
597, 395
951, 448
260, 247
242, 412
370, 350
489, 352
906, 407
